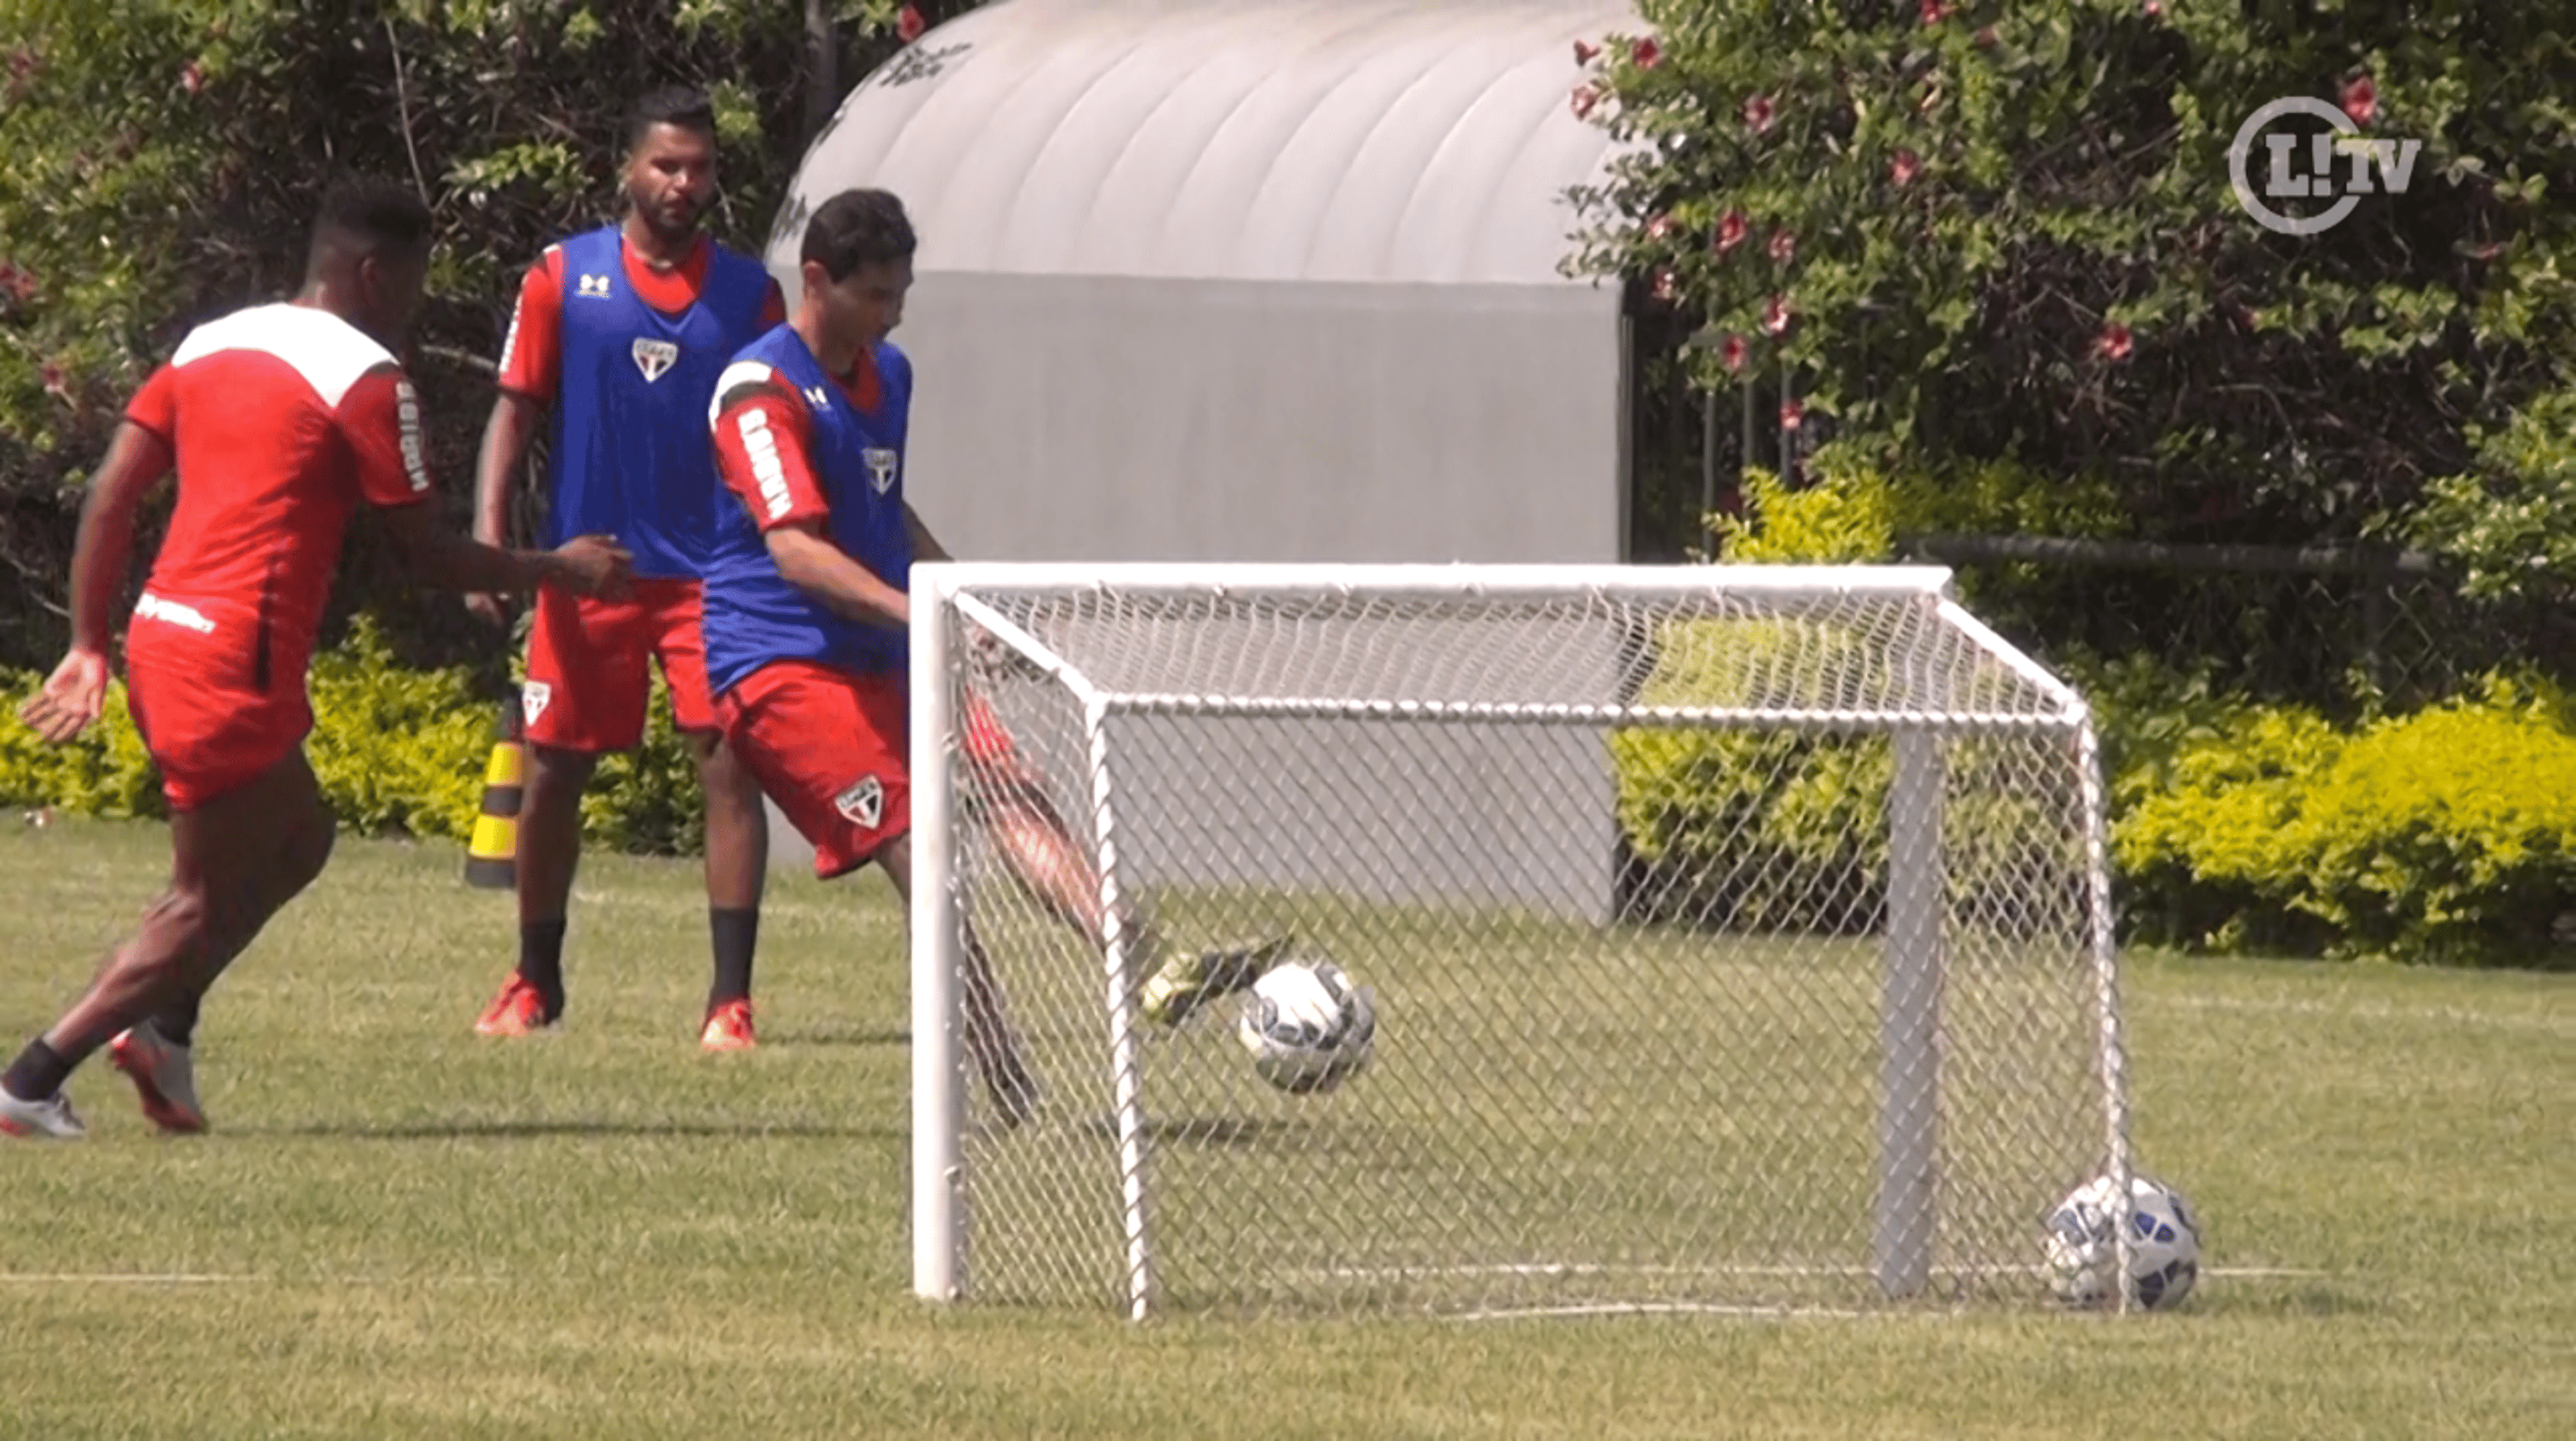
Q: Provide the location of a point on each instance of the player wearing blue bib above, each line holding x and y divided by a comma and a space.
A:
806, 615
622, 331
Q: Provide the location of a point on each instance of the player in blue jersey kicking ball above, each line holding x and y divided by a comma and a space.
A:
622, 331
806, 615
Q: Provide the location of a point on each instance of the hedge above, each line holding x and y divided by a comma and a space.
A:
2446, 836
399, 752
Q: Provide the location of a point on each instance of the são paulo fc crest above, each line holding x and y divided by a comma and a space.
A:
654, 357
863, 805
881, 467
532, 700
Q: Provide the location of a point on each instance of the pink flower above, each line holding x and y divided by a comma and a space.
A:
21, 284
1775, 315
1759, 113
2114, 342
1648, 54
1934, 12
191, 78
1668, 286
1585, 98
1791, 413
1904, 168
2155, 9
1784, 247
52, 375
1585, 51
2361, 100
1732, 354
908, 24
1660, 227
1731, 230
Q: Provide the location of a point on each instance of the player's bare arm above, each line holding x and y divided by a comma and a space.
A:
380, 421
528, 361
445, 560
506, 434
76, 692
814, 565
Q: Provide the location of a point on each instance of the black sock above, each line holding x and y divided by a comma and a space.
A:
736, 933
541, 962
177, 1022
38, 1074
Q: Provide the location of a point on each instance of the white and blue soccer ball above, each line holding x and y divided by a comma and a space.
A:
1308, 1028
2082, 1251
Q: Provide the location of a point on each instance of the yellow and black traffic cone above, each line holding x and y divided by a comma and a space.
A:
492, 858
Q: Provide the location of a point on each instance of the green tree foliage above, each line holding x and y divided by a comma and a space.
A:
164, 155
2511, 523
1983, 231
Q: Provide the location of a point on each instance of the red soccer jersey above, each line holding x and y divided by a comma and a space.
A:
281, 419
767, 463
532, 355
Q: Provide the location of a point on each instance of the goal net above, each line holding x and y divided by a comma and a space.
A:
1737, 936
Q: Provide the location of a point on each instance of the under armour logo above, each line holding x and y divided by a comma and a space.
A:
653, 357
595, 285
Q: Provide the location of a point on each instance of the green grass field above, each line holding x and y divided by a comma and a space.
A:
399, 1229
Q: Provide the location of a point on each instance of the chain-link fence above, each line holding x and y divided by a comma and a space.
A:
2336, 628
1834, 1037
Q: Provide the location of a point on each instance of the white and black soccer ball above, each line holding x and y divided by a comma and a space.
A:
1308, 1028
2082, 1252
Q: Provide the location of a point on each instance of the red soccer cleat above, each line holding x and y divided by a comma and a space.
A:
518, 1011
729, 1028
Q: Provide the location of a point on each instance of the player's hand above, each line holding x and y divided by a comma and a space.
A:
492, 610
71, 699
598, 566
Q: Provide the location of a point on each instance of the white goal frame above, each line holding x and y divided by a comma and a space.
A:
1902, 1249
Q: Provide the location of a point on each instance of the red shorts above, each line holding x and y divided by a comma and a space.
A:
211, 722
587, 680
834, 751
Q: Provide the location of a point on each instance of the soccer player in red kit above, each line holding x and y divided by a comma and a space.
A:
806, 615
282, 420
619, 333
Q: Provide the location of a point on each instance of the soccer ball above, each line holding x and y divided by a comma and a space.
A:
1308, 1028
2164, 1244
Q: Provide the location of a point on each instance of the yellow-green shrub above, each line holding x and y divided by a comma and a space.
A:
2447, 836
397, 752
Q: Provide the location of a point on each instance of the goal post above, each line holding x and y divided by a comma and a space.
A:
1739, 936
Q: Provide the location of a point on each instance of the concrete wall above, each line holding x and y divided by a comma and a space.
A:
1094, 418
1268, 280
